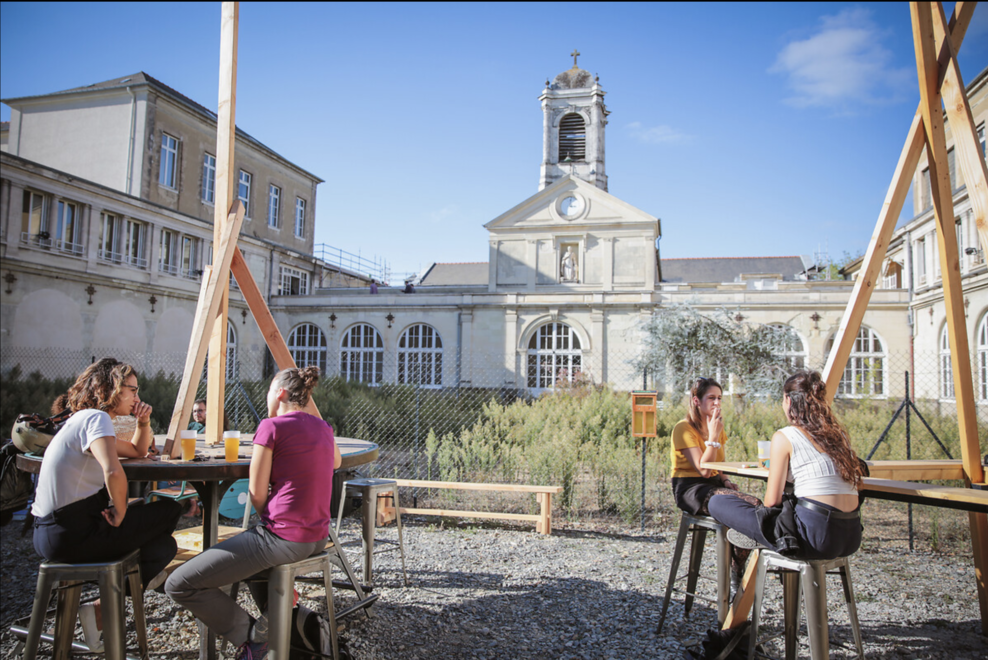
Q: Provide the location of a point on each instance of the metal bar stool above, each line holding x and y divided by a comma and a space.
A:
812, 579
281, 589
699, 525
68, 578
369, 489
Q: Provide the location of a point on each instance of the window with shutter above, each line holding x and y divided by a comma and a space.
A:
572, 138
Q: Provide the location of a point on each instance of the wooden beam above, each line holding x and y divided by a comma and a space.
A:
745, 596
265, 320
965, 132
193, 361
215, 277
261, 313
943, 209
226, 181
870, 271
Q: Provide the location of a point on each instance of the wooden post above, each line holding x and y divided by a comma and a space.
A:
953, 295
226, 182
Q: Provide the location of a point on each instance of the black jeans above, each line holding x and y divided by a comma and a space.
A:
77, 533
821, 536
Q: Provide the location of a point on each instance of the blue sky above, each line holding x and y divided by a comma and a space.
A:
749, 129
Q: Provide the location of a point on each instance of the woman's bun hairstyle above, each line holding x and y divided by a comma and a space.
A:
299, 383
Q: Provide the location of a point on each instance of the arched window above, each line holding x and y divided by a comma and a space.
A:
572, 138
232, 367
793, 350
420, 356
362, 354
864, 374
983, 358
554, 356
946, 370
307, 344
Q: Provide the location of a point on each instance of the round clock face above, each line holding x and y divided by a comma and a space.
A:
571, 206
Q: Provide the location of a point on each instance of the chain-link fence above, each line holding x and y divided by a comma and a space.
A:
539, 418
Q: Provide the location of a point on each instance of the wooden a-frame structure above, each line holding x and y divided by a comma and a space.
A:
209, 325
936, 43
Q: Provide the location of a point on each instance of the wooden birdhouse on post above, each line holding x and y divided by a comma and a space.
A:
643, 405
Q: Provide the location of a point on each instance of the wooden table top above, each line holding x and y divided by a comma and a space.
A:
911, 470
355, 452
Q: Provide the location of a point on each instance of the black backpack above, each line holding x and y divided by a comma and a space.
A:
16, 486
310, 637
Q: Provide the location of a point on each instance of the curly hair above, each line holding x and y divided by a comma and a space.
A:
99, 385
810, 411
699, 390
299, 383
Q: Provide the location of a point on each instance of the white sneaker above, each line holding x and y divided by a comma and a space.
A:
157, 581
87, 617
739, 540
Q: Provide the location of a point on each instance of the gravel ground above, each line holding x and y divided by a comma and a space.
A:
590, 590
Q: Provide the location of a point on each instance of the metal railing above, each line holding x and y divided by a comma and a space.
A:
336, 257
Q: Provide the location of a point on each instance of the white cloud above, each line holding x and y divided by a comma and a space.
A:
842, 65
656, 134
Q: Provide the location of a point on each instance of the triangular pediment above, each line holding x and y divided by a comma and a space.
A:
593, 208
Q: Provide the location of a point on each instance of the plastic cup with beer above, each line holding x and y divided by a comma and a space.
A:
764, 452
188, 439
231, 444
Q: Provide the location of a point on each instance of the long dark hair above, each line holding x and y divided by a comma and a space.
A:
99, 385
298, 383
810, 410
699, 390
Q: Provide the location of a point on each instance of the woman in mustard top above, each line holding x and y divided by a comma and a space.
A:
697, 439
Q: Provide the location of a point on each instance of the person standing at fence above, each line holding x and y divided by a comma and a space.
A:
698, 439
814, 452
80, 506
291, 484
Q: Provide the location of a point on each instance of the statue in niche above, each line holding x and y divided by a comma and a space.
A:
568, 271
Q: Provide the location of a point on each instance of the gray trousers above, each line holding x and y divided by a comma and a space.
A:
196, 584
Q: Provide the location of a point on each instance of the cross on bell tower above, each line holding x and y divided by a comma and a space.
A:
574, 117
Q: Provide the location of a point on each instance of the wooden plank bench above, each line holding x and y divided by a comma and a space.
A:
543, 495
190, 543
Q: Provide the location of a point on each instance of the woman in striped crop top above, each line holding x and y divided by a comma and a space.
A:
814, 454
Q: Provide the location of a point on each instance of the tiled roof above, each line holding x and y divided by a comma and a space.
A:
728, 269
456, 274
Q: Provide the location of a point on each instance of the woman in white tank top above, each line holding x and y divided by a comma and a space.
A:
814, 454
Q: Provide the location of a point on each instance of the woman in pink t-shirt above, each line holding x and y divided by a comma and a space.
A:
291, 482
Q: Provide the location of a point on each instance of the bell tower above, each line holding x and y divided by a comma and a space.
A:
574, 117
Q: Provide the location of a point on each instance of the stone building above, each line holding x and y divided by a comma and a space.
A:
913, 265
106, 221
